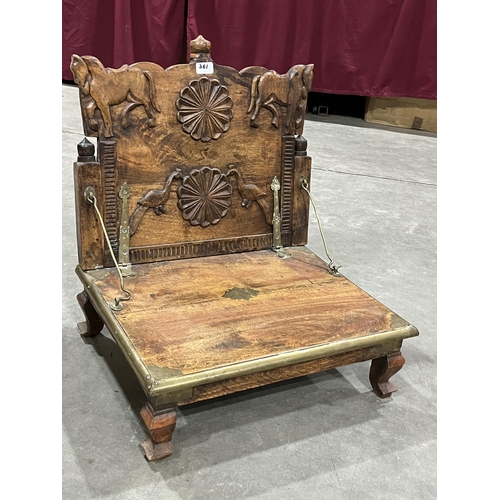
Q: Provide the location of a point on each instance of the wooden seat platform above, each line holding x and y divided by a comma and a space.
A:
192, 223
202, 321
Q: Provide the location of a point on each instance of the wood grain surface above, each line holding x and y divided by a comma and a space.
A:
213, 310
181, 316
158, 128
265, 377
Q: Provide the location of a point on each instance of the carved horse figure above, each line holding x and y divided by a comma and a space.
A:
109, 87
289, 90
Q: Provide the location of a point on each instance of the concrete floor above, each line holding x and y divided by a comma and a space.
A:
325, 436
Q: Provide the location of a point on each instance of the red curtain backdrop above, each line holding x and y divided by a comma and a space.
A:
121, 32
383, 48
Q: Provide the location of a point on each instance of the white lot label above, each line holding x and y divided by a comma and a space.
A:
204, 68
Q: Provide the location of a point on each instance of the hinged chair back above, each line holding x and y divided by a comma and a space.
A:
186, 158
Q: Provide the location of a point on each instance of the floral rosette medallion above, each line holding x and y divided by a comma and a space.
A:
204, 196
204, 109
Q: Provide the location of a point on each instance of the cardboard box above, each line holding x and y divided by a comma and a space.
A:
419, 114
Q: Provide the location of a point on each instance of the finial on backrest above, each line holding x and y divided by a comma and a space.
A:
200, 49
300, 146
86, 151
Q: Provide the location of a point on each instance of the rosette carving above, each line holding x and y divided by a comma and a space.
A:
204, 109
204, 196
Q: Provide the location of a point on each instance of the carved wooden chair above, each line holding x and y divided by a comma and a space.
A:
191, 226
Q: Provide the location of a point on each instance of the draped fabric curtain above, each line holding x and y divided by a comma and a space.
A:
383, 48
121, 32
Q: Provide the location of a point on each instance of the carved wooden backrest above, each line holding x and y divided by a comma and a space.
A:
186, 157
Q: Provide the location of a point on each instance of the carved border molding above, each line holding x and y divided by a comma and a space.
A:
141, 255
107, 158
287, 188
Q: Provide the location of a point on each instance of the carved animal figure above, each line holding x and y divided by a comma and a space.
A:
155, 199
109, 87
289, 90
251, 192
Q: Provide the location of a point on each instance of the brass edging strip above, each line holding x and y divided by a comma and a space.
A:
278, 360
153, 387
116, 330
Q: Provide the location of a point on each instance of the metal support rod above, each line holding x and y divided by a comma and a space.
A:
333, 268
89, 196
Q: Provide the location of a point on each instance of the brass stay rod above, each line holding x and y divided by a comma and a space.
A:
90, 198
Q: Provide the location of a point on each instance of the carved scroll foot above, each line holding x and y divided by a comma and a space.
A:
161, 425
93, 324
382, 369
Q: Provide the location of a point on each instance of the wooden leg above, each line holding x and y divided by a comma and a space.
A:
382, 369
93, 324
161, 425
